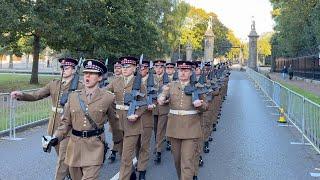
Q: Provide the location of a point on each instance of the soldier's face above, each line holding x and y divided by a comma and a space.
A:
170, 70
144, 71
198, 71
67, 71
91, 79
158, 69
184, 74
128, 70
117, 71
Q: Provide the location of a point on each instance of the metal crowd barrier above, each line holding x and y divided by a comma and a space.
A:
303, 113
18, 114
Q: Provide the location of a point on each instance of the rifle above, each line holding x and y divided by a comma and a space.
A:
196, 88
131, 99
175, 76
74, 84
151, 91
104, 82
56, 110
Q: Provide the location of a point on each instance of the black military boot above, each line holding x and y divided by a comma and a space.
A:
112, 156
133, 176
210, 138
142, 175
206, 147
200, 161
158, 158
168, 148
214, 127
195, 177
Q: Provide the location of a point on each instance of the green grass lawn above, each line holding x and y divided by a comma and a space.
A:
26, 112
311, 96
10, 82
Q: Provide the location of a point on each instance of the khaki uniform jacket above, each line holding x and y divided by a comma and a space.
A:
118, 87
52, 90
160, 110
182, 126
86, 151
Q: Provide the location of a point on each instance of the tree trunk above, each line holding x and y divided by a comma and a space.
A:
11, 61
27, 61
35, 63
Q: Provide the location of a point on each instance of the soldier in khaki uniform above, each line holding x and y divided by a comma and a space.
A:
170, 70
52, 90
130, 125
184, 128
85, 115
117, 134
143, 147
160, 113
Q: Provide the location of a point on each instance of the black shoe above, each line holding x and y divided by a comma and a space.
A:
200, 161
158, 158
214, 127
142, 175
133, 176
210, 139
206, 147
168, 148
112, 156
195, 177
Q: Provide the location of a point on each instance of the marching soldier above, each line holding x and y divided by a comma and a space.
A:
52, 89
143, 149
184, 128
130, 125
85, 115
160, 113
117, 134
170, 70
117, 69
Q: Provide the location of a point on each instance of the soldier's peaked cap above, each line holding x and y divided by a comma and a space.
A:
160, 61
68, 62
184, 64
128, 60
94, 65
117, 64
170, 64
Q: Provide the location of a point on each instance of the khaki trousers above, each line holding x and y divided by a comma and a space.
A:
62, 170
85, 173
143, 148
129, 147
161, 125
184, 154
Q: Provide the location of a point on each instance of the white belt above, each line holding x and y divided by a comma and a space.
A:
59, 110
182, 112
122, 107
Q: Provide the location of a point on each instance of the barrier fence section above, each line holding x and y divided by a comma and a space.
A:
17, 114
303, 113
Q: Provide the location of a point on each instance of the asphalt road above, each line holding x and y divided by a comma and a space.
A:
248, 144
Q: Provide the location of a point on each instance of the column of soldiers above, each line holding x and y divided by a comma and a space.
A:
181, 115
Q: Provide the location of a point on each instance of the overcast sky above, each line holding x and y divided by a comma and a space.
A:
237, 14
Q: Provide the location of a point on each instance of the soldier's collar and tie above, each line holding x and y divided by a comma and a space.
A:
127, 79
184, 84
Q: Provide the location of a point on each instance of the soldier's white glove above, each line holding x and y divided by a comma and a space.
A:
48, 142
16, 94
197, 103
133, 117
161, 100
151, 106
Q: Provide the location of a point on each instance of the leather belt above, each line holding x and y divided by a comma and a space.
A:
86, 134
59, 110
183, 112
122, 107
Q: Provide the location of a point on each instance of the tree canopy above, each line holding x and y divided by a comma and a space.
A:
297, 27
